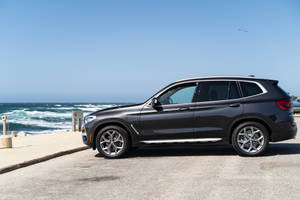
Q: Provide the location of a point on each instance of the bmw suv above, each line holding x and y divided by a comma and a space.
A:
246, 112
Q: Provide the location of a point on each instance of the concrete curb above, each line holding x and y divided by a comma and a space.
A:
42, 159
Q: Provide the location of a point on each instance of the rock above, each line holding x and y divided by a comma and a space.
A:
22, 134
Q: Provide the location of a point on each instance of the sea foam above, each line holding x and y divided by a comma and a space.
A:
41, 118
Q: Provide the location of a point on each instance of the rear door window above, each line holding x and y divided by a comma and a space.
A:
217, 90
250, 89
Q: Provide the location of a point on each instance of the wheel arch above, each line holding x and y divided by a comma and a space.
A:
111, 123
248, 119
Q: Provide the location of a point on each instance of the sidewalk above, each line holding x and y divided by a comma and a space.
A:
28, 150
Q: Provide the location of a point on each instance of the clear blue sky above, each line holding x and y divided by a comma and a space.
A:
124, 51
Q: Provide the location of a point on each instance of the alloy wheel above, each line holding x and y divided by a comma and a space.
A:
250, 139
112, 142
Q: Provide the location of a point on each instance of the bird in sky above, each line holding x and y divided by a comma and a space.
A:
243, 30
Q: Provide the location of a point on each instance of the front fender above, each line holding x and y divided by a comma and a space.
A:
117, 122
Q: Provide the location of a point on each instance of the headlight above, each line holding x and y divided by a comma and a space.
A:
89, 118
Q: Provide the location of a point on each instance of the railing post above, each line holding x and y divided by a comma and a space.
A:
4, 118
79, 124
73, 123
5, 141
77, 117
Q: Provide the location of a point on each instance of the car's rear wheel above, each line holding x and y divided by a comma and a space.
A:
250, 139
112, 142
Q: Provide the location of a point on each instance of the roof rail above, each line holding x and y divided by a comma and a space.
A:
252, 77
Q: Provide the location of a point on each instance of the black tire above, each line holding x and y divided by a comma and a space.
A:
133, 148
125, 137
245, 127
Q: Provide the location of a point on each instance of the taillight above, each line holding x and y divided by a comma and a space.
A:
285, 104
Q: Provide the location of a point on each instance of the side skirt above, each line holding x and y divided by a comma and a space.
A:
204, 140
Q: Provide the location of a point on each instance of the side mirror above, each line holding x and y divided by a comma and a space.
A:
155, 102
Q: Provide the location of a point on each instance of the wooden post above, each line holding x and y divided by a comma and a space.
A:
73, 123
79, 124
4, 125
77, 116
5, 141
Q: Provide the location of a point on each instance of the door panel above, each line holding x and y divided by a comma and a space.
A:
172, 117
213, 119
168, 122
218, 103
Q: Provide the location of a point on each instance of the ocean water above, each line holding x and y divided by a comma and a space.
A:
37, 118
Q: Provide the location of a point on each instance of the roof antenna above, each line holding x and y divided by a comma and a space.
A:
251, 75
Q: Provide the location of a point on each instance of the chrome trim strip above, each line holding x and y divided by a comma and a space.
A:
134, 129
182, 140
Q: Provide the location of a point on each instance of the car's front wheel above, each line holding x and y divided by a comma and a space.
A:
112, 142
250, 139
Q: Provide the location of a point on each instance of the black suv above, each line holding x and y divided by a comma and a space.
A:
246, 112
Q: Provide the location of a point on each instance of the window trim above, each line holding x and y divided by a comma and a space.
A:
197, 82
264, 91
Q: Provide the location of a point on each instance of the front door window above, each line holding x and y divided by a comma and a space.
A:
178, 95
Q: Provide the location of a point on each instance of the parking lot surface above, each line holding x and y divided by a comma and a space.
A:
173, 172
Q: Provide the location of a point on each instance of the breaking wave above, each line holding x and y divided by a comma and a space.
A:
40, 118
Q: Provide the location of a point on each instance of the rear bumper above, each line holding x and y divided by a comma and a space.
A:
284, 131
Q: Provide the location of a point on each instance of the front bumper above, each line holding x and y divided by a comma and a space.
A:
86, 136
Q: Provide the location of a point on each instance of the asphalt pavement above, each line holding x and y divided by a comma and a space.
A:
173, 172
181, 172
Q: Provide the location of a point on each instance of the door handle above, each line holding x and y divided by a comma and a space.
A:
183, 109
235, 105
